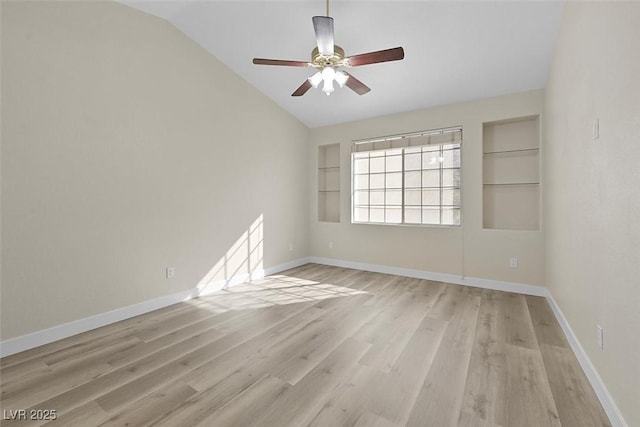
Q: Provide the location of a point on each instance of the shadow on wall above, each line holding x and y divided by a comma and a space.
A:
242, 262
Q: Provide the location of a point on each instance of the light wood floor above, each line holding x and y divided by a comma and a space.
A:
320, 346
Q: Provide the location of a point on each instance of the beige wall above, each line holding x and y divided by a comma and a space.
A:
592, 193
127, 148
486, 253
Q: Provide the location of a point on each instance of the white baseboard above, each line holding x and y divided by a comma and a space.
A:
608, 404
438, 277
286, 266
55, 333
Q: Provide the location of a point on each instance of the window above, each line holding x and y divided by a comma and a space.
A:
407, 179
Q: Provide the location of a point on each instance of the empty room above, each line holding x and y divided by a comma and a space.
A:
320, 213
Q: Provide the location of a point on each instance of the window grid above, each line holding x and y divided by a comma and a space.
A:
383, 213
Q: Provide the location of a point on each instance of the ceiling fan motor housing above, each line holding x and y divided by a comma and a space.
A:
334, 60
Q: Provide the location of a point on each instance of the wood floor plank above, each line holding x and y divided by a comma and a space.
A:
346, 402
367, 419
169, 321
42, 377
393, 397
315, 345
54, 382
374, 330
154, 380
249, 405
344, 277
257, 349
228, 375
335, 274
444, 307
143, 349
575, 400
530, 402
174, 323
368, 279
329, 304
426, 291
373, 283
76, 346
484, 395
391, 331
89, 414
319, 341
545, 325
21, 371
518, 326
299, 404
104, 384
569, 385
205, 403
386, 290
440, 399
339, 276
152, 407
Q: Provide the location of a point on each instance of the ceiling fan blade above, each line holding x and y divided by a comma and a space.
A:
323, 26
386, 55
304, 87
263, 61
356, 85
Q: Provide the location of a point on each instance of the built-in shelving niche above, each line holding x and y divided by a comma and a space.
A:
329, 183
511, 174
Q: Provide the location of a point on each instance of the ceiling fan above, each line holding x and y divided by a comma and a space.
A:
327, 57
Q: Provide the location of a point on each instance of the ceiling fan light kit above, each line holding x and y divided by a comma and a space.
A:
327, 57
328, 75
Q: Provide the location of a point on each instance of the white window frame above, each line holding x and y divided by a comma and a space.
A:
426, 144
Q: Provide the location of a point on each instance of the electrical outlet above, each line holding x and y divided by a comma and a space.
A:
330, 244
600, 336
513, 262
290, 247
171, 272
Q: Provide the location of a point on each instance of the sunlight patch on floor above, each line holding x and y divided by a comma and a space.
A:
273, 290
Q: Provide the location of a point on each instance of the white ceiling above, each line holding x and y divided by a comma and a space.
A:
454, 51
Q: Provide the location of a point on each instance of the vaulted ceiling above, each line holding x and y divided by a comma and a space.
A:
454, 51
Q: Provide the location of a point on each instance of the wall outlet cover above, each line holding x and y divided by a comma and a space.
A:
600, 336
